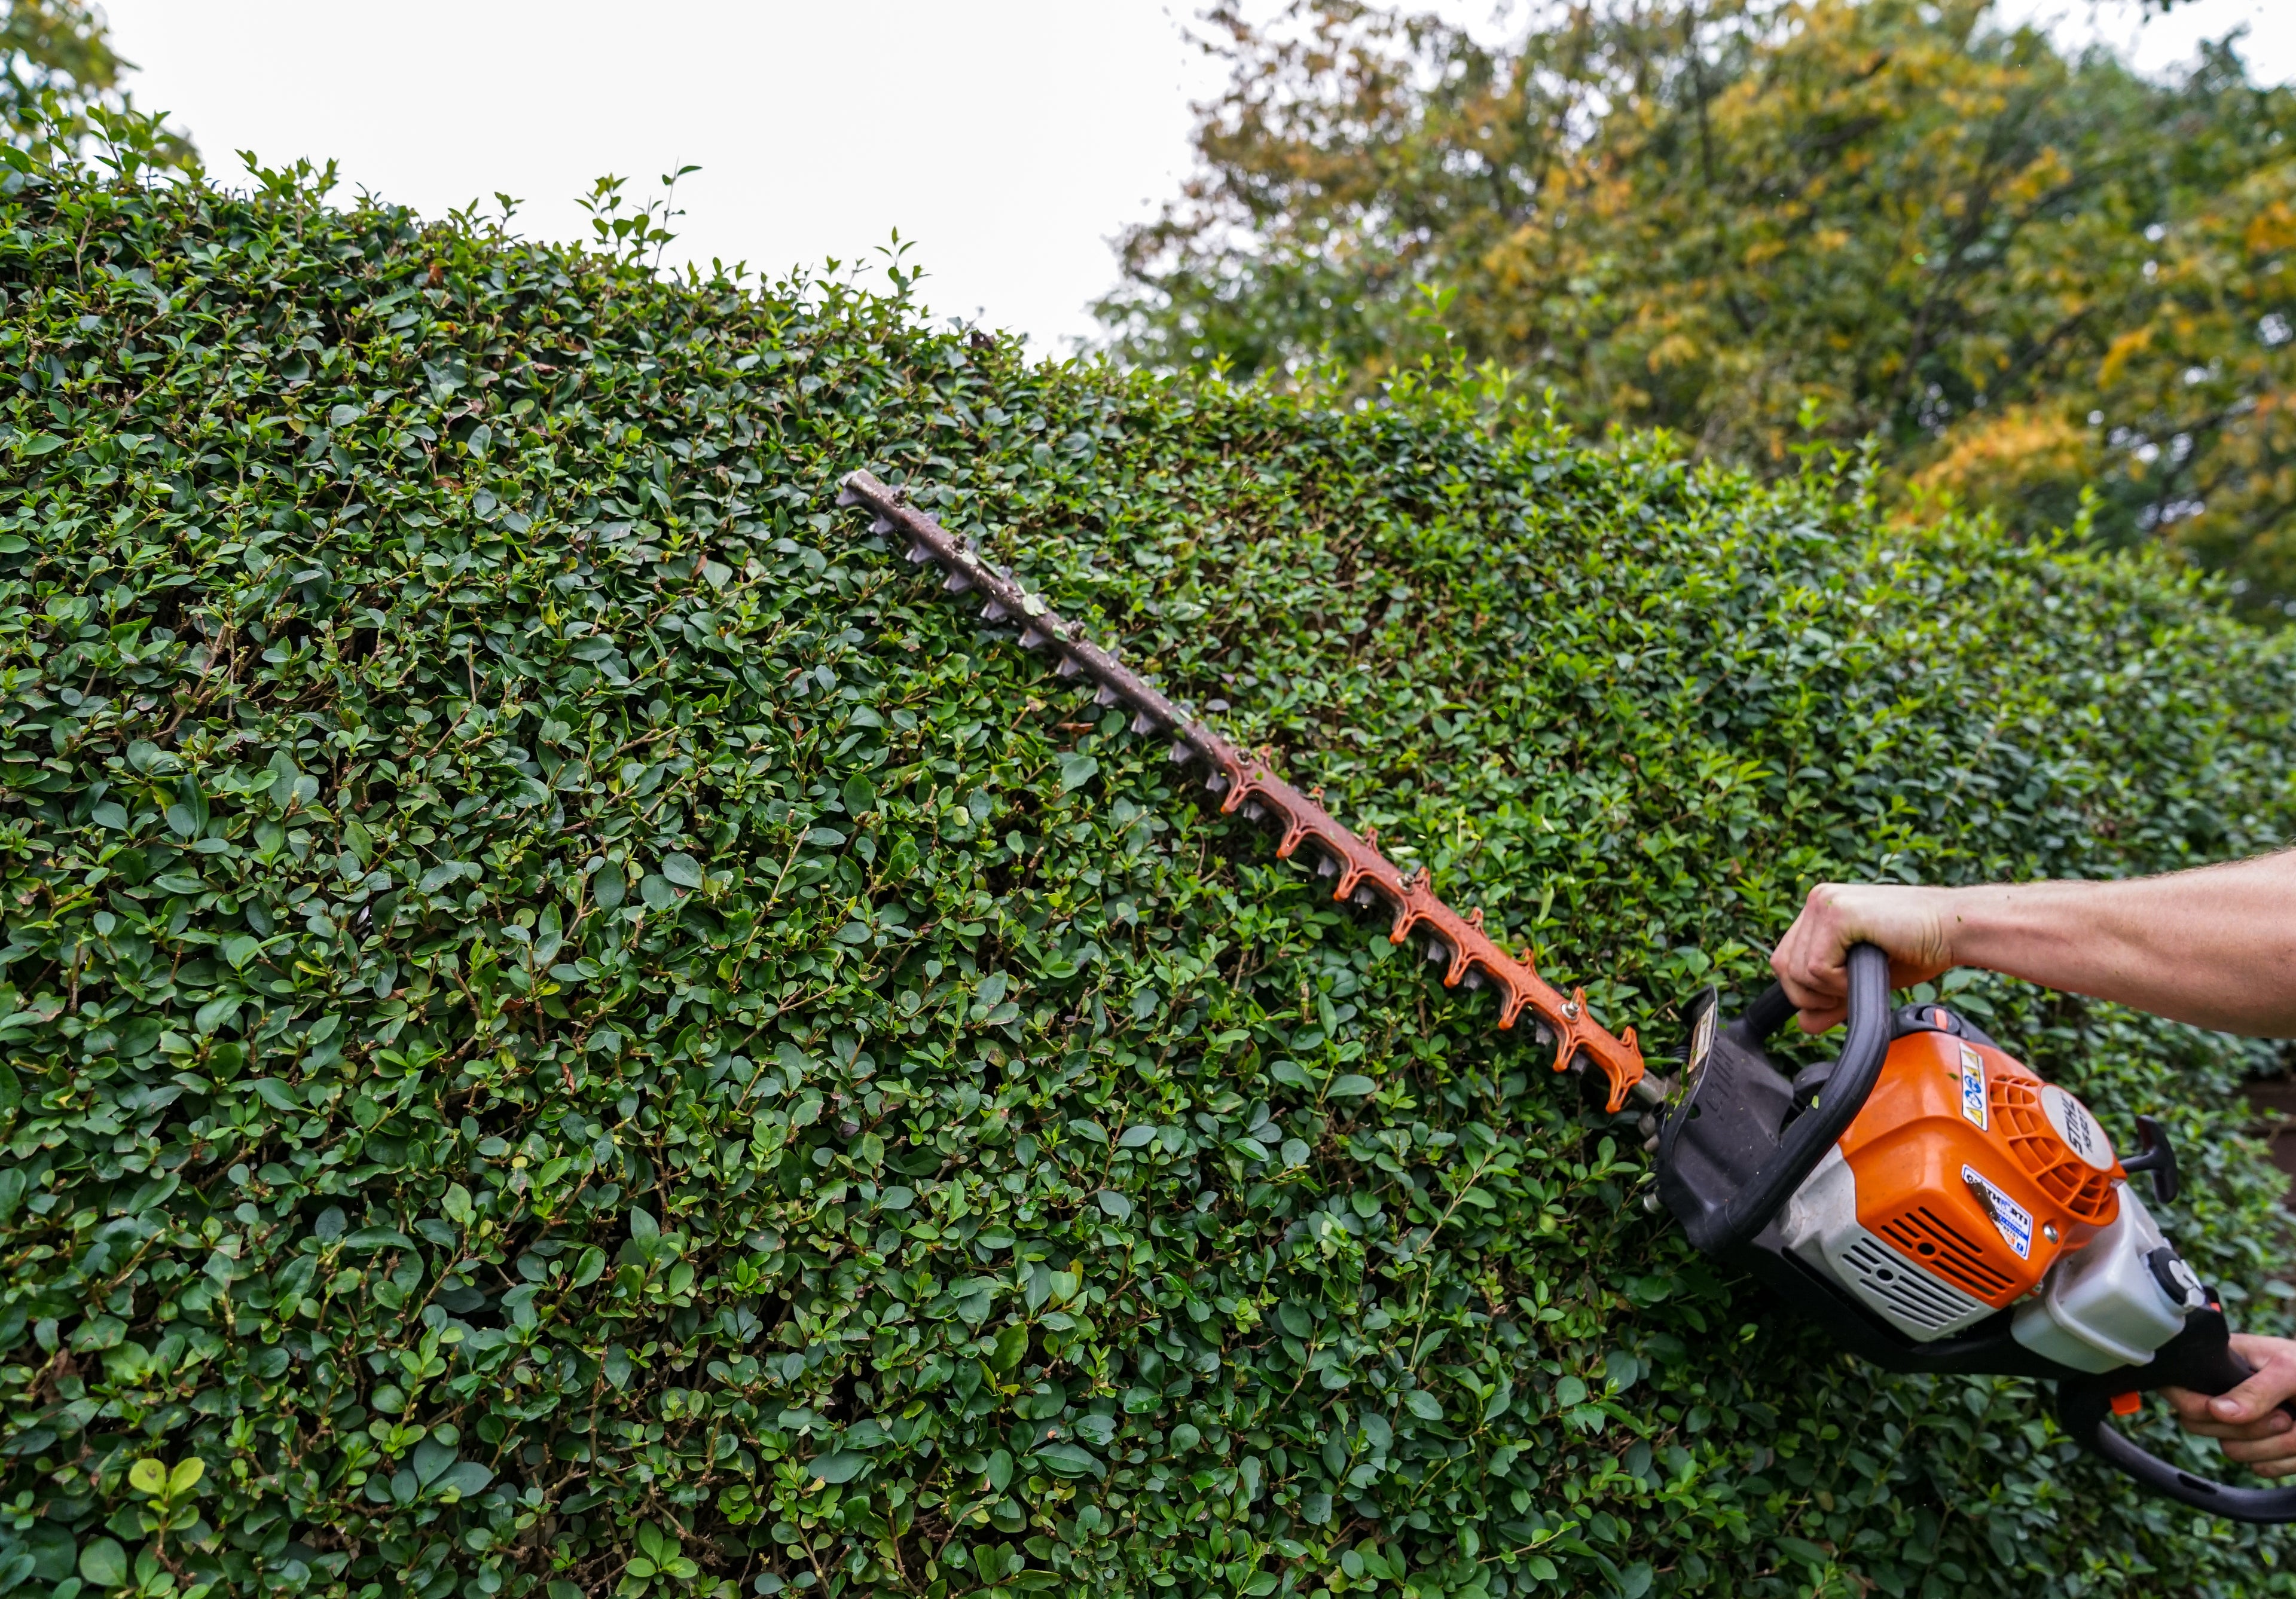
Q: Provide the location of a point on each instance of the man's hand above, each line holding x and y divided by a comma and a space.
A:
2256, 1432
1912, 924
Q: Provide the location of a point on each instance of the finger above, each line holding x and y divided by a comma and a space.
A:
2262, 1431
2192, 1409
1787, 961
1822, 1003
1782, 958
2260, 1452
2257, 1398
1811, 996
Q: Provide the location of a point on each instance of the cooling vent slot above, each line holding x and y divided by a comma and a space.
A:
2073, 1182
1911, 1296
1940, 1247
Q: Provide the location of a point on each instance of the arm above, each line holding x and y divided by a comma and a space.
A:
2214, 947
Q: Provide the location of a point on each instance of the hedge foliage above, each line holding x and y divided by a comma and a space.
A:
571, 1027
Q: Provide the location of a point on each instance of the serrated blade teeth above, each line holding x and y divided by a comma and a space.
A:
1404, 903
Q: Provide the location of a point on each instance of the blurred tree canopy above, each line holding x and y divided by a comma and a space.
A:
1749, 221
59, 77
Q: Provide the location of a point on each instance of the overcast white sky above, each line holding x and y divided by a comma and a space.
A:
1009, 138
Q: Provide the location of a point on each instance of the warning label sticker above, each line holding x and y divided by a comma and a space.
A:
2016, 1223
1702, 1042
1972, 1086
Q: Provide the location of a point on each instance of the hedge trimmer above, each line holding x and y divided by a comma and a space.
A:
1244, 783
1925, 1197
1936, 1206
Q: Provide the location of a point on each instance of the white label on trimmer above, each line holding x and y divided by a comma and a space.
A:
2008, 1215
1972, 1086
1702, 1043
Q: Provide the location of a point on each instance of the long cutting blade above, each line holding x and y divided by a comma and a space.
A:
1242, 782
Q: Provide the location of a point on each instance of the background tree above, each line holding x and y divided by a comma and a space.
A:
60, 77
2026, 273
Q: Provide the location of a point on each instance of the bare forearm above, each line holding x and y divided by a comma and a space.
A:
2215, 947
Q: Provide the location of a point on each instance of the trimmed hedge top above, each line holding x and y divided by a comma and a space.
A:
570, 1027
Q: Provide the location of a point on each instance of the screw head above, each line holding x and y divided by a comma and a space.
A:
2049, 1231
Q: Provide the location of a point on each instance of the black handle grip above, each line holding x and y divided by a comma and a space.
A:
2158, 1156
2201, 1359
1812, 1134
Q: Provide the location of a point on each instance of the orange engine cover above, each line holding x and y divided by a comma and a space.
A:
1975, 1169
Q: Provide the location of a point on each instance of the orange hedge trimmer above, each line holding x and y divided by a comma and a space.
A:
1928, 1200
1245, 783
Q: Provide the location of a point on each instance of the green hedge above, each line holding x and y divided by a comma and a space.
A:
572, 1027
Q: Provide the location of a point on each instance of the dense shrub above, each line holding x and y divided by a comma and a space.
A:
570, 1024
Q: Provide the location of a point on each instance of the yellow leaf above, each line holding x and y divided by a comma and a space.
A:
2130, 343
2271, 229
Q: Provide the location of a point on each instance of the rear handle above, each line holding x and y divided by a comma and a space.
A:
2201, 1359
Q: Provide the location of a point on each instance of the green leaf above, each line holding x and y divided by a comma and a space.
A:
1067, 1460
842, 1466
1011, 1348
104, 1563
683, 870
1804, 1551
1076, 770
148, 1476
377, 1238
